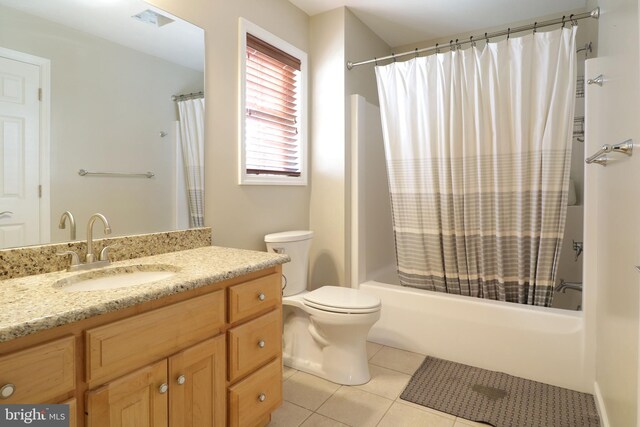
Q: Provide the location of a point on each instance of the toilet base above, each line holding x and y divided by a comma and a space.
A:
345, 376
332, 346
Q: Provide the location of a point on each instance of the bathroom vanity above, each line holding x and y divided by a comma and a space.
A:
202, 347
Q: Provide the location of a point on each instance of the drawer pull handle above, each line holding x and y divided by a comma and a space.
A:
261, 343
163, 388
7, 391
261, 296
262, 397
181, 379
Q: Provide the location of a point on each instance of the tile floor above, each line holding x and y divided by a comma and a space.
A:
312, 401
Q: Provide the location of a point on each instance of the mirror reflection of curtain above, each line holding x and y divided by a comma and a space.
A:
191, 113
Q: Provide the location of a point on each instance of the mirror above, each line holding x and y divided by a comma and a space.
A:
106, 105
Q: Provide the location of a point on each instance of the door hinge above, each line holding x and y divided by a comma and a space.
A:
40, 191
40, 94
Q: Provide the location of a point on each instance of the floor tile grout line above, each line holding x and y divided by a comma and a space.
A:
377, 351
385, 413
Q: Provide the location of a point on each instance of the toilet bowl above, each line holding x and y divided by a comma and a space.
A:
324, 330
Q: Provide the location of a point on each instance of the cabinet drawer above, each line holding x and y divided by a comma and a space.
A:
41, 373
254, 343
128, 344
255, 296
256, 396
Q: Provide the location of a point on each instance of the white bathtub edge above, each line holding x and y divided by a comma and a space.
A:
536, 343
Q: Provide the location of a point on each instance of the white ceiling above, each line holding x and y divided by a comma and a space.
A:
179, 42
402, 22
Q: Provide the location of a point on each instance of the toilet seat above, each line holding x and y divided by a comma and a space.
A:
338, 299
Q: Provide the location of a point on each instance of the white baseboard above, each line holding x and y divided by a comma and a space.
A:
602, 410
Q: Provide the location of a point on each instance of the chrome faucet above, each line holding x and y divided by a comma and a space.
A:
90, 261
107, 230
72, 224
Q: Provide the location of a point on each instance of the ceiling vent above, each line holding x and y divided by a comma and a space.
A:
152, 17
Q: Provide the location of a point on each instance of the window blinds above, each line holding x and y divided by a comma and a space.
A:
272, 142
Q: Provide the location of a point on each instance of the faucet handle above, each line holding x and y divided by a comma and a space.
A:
104, 253
75, 260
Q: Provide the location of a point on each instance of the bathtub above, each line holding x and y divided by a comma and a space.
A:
537, 343
542, 344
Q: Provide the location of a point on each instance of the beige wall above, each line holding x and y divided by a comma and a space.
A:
108, 106
240, 215
336, 36
327, 205
613, 112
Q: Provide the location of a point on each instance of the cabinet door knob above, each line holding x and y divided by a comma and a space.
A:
261, 296
181, 379
261, 343
163, 388
262, 397
7, 391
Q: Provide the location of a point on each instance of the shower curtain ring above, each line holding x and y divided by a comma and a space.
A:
375, 60
486, 37
508, 33
563, 16
393, 55
473, 43
417, 53
535, 27
437, 48
457, 44
573, 21
451, 45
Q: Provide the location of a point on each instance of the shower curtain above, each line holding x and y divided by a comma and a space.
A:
478, 148
191, 112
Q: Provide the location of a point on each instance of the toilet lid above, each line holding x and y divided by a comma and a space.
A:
342, 300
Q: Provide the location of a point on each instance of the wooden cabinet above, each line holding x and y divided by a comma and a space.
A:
163, 362
254, 343
73, 411
38, 374
137, 399
186, 389
197, 385
254, 297
111, 350
252, 400
255, 350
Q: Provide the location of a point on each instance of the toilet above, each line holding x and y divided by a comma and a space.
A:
325, 330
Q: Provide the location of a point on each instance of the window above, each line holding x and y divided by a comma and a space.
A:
273, 113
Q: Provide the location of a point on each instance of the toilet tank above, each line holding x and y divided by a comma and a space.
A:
296, 244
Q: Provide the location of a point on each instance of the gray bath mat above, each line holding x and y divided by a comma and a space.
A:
496, 398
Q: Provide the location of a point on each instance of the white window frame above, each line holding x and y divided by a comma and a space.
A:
251, 179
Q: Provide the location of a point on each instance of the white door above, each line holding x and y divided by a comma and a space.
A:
19, 153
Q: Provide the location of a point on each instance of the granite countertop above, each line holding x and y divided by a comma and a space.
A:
32, 303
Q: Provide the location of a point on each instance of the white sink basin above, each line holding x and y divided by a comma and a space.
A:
116, 277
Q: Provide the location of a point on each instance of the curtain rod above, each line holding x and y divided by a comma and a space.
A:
595, 13
186, 96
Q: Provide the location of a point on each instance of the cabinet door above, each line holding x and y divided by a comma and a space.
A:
197, 381
135, 400
73, 411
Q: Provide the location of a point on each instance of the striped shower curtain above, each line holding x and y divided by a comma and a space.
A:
478, 147
191, 112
